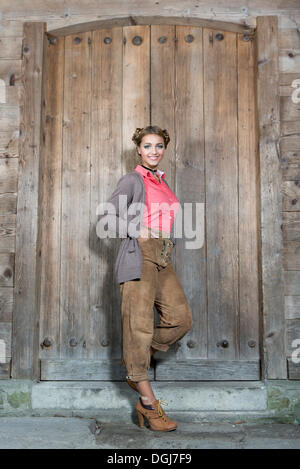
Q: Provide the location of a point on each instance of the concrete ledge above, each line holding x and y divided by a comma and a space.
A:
184, 396
275, 400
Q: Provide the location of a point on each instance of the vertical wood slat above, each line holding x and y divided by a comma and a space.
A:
105, 333
190, 187
162, 107
136, 89
220, 111
50, 198
274, 361
249, 309
163, 91
75, 212
25, 315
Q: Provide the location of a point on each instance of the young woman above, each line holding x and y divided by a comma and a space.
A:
145, 272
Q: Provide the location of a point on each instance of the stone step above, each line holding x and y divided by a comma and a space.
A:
191, 401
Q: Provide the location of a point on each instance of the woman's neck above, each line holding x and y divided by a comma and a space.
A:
150, 169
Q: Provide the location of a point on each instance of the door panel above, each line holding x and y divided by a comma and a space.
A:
199, 84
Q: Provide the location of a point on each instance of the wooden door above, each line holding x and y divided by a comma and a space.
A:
98, 87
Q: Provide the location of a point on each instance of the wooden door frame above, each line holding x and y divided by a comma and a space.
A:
25, 361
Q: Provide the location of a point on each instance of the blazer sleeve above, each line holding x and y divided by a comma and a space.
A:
115, 216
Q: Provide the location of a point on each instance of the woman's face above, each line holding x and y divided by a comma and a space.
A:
152, 150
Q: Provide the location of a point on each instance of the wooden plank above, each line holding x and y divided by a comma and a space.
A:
11, 47
84, 370
8, 203
25, 318
292, 335
289, 39
9, 117
293, 369
290, 196
105, 323
207, 370
289, 60
248, 203
291, 283
291, 255
5, 370
5, 335
6, 304
136, 89
274, 362
290, 128
289, 111
49, 235
190, 183
7, 269
7, 233
291, 142
149, 20
163, 73
75, 206
292, 306
290, 165
286, 79
136, 94
290, 226
8, 175
162, 69
9, 143
220, 111
11, 28
288, 21
10, 73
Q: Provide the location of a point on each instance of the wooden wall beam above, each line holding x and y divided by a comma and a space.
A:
143, 20
274, 356
25, 331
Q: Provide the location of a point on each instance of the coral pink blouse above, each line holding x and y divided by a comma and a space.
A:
158, 217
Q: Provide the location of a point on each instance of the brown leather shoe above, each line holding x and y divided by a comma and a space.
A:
157, 418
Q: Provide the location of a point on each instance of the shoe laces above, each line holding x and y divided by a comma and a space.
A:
159, 408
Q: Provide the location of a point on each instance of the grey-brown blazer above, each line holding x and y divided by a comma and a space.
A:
128, 265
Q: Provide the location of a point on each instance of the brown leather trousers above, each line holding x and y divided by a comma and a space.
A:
159, 286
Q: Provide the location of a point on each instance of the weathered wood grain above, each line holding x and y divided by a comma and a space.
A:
6, 304
208, 370
153, 20
274, 362
49, 216
105, 325
221, 151
84, 370
8, 175
190, 183
11, 47
293, 369
7, 233
292, 306
248, 203
5, 370
25, 319
7, 269
75, 197
291, 195
9, 143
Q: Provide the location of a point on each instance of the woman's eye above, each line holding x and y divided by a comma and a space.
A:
147, 146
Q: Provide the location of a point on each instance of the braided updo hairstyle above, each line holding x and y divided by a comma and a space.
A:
150, 129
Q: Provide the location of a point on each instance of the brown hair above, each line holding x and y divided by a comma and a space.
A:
150, 129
